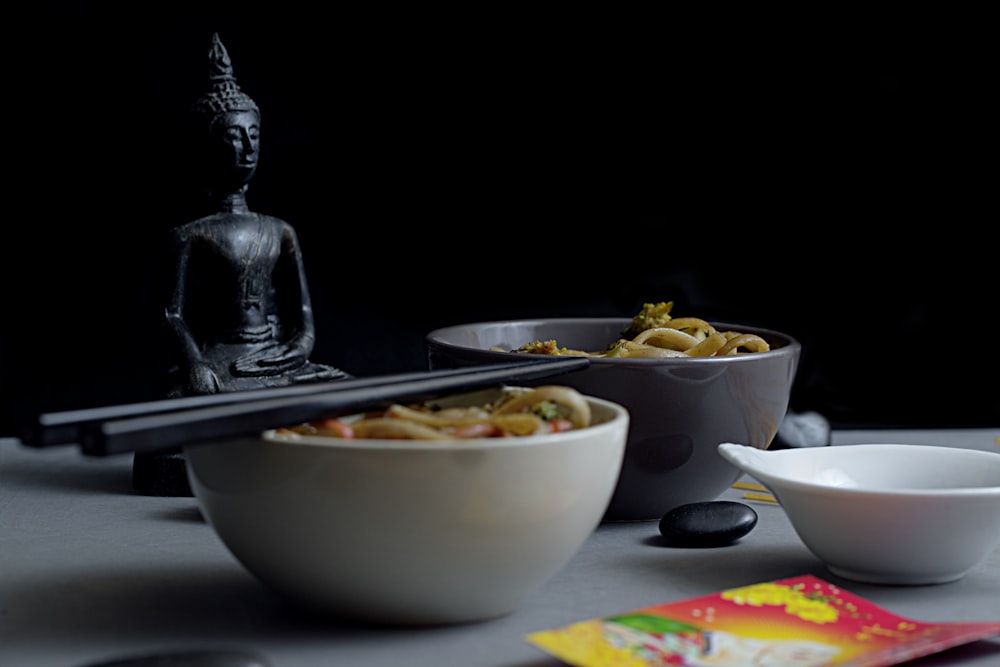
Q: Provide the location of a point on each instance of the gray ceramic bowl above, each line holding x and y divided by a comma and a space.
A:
681, 408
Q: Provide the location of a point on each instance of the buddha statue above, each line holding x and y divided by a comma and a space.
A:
239, 310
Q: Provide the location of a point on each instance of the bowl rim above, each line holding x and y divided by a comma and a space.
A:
618, 414
791, 346
780, 482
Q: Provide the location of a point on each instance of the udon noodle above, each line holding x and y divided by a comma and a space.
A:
517, 412
654, 333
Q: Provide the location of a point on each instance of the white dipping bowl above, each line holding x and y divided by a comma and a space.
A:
405, 531
885, 513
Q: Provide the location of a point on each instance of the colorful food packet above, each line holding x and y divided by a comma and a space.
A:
802, 621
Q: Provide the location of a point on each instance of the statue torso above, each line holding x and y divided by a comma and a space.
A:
239, 254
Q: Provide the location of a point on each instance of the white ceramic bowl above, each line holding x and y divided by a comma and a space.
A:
406, 531
885, 513
681, 409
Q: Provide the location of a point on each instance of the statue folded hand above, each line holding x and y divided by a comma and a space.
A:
273, 359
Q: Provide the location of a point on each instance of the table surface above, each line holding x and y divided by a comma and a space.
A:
91, 571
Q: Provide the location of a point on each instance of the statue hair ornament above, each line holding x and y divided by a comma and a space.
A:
224, 93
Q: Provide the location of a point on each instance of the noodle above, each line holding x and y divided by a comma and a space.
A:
653, 333
518, 412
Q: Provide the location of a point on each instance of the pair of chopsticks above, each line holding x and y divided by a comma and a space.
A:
171, 423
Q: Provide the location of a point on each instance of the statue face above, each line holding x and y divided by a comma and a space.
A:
236, 145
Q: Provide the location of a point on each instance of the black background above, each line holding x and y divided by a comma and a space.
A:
831, 182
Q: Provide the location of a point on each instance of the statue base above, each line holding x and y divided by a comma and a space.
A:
161, 474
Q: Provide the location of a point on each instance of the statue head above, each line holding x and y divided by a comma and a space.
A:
227, 127
224, 93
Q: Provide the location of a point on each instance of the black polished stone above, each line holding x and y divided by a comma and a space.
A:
713, 523
188, 659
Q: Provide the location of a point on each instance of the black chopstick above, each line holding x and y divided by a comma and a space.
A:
170, 423
57, 428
